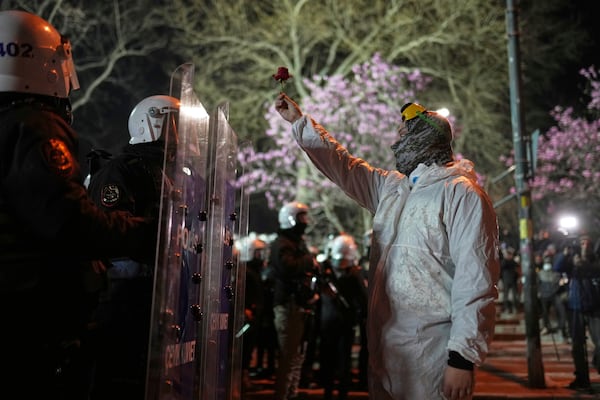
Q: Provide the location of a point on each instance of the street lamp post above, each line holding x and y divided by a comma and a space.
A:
522, 175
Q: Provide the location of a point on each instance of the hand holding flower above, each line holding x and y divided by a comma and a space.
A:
287, 108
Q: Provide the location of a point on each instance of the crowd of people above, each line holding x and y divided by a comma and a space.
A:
568, 293
312, 305
560, 312
329, 294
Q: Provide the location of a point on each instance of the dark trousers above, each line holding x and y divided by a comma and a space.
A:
580, 324
266, 344
336, 359
561, 314
510, 290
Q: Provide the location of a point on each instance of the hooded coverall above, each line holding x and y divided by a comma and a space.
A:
433, 264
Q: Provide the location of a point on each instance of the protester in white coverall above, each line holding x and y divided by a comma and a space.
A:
434, 256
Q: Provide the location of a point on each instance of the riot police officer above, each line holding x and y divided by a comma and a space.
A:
252, 252
343, 305
131, 181
49, 227
295, 296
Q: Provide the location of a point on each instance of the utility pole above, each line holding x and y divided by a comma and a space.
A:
523, 172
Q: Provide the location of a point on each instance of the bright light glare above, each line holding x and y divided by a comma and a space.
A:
196, 112
568, 222
444, 112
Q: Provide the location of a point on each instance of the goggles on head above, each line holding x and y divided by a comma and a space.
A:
412, 110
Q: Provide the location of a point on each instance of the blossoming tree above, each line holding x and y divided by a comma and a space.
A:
362, 111
567, 176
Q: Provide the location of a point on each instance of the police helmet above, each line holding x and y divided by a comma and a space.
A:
344, 247
149, 118
251, 247
289, 212
36, 58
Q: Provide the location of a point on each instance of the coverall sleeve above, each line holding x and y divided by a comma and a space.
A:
359, 180
473, 244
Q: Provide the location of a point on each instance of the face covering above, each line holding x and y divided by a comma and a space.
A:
426, 139
299, 228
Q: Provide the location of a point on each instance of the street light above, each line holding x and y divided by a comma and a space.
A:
567, 224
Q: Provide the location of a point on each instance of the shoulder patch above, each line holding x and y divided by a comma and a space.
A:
58, 157
110, 195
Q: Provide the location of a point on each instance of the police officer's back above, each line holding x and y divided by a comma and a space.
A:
343, 303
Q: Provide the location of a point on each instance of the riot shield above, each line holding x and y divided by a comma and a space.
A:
176, 310
219, 366
193, 349
240, 325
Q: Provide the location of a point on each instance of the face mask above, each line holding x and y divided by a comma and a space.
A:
423, 142
299, 228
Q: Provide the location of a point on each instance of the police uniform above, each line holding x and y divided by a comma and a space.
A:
131, 181
48, 228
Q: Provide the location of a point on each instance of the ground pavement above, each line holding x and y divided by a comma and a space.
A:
505, 372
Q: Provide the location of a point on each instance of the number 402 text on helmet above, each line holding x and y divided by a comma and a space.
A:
34, 57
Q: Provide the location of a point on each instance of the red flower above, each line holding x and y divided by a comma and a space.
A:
282, 76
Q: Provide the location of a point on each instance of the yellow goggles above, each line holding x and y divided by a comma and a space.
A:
412, 111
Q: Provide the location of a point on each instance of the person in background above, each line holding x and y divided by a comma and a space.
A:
542, 240
508, 239
131, 181
562, 263
266, 344
434, 256
550, 252
549, 289
584, 305
50, 229
309, 374
252, 252
538, 261
510, 272
295, 271
343, 303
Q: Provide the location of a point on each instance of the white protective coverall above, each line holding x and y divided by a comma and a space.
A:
433, 265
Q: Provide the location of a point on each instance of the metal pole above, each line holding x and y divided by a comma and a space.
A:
522, 174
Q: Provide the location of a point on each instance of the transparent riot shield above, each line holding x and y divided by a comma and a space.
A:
194, 352
240, 324
219, 365
177, 310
